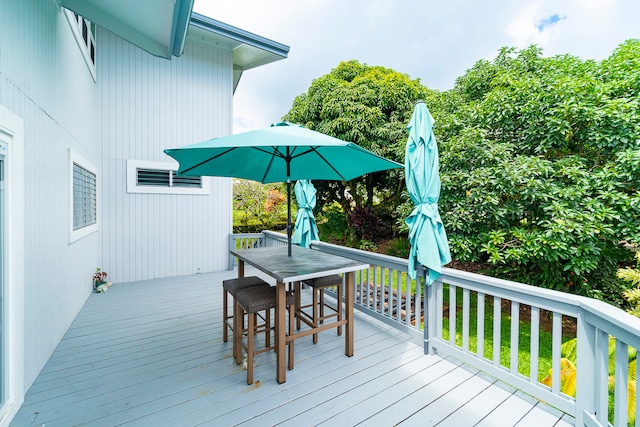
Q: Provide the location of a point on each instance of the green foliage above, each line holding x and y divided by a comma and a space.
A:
399, 247
262, 206
368, 105
632, 276
524, 355
332, 223
368, 245
540, 160
569, 353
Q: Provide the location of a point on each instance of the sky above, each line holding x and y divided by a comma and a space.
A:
435, 42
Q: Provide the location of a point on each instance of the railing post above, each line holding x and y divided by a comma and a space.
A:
231, 246
585, 370
430, 313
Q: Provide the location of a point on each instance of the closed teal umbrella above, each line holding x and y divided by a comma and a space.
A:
429, 245
280, 153
305, 229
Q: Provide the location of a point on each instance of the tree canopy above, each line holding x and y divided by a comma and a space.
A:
540, 167
367, 105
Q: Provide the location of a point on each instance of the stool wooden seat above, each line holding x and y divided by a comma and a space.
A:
318, 315
231, 287
252, 301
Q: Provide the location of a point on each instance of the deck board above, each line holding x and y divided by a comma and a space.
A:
151, 353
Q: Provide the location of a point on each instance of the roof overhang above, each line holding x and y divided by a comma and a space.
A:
157, 26
249, 50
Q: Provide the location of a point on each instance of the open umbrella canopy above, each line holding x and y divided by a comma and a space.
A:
305, 229
429, 245
280, 153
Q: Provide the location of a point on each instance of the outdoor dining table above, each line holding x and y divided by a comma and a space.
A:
303, 264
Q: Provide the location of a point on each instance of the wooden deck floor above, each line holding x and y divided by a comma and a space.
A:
151, 354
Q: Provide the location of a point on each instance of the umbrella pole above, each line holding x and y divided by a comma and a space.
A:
289, 215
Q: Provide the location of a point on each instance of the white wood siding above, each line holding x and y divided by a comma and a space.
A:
45, 82
138, 106
149, 104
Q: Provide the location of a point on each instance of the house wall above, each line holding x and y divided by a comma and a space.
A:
149, 104
45, 82
137, 106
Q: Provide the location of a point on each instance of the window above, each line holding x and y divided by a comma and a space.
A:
84, 32
161, 178
84, 197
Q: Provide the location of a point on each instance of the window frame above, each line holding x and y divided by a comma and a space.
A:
76, 30
132, 179
75, 235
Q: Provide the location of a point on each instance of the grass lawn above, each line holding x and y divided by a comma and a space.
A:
524, 338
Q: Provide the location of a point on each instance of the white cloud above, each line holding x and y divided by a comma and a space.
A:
436, 42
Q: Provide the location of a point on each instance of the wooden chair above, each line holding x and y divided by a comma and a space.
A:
231, 287
317, 315
252, 301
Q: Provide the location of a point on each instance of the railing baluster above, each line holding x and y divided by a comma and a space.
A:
497, 317
399, 300
387, 282
417, 311
515, 335
601, 380
376, 277
407, 300
452, 315
439, 308
534, 345
465, 319
620, 415
480, 325
556, 342
637, 423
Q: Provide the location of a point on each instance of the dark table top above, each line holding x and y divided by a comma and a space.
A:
303, 264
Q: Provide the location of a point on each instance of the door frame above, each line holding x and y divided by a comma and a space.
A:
12, 133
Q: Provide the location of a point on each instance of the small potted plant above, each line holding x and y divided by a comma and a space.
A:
100, 283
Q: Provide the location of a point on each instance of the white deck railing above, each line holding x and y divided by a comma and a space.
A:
459, 300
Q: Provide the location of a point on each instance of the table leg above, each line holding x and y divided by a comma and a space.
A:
349, 296
238, 322
281, 339
240, 268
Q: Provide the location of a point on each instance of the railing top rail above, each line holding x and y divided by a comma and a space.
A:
598, 313
360, 255
250, 235
613, 320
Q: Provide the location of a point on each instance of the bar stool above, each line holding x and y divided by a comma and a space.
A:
318, 305
252, 301
231, 287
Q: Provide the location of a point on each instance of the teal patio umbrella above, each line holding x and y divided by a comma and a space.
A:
280, 153
429, 245
305, 229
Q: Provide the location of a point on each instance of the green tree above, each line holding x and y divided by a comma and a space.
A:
540, 165
367, 105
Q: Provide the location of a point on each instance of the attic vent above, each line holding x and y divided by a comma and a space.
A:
166, 178
160, 178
